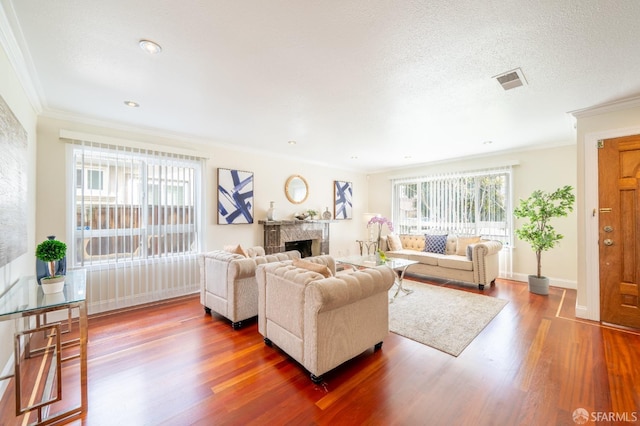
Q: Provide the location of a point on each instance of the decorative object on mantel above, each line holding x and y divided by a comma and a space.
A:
539, 209
343, 205
379, 221
301, 216
52, 251
235, 197
312, 213
272, 213
327, 214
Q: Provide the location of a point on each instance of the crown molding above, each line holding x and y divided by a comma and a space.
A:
617, 105
19, 58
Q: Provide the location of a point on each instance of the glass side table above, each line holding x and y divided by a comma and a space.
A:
25, 300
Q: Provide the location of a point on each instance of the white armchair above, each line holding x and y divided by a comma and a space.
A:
323, 322
228, 282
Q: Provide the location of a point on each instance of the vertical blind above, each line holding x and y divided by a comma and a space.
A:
469, 203
137, 223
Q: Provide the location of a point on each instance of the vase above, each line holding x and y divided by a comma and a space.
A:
272, 213
327, 214
43, 269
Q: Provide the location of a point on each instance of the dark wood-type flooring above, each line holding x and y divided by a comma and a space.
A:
534, 364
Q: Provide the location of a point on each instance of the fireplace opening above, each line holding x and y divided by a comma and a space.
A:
303, 246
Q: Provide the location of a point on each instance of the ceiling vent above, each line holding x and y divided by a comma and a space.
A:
511, 79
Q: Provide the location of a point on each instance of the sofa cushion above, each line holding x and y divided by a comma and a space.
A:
463, 242
424, 257
393, 242
314, 267
452, 243
412, 242
435, 243
455, 262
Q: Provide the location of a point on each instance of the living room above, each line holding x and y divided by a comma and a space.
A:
549, 164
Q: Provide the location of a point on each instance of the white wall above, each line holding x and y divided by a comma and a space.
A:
545, 169
270, 175
13, 94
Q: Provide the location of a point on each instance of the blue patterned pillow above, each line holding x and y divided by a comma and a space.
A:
435, 243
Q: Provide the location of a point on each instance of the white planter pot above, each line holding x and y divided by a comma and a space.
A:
539, 285
52, 285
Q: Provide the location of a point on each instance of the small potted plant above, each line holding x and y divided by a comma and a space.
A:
539, 209
51, 251
312, 213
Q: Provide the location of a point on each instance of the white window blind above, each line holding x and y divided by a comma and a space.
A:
470, 203
137, 223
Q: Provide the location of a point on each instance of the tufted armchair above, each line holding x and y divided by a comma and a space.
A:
323, 322
228, 282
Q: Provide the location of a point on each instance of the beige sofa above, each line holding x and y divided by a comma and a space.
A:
481, 269
228, 281
323, 322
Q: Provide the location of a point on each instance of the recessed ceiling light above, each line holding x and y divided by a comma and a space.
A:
150, 47
487, 142
292, 142
131, 104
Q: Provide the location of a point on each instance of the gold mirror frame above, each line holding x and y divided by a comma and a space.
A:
296, 189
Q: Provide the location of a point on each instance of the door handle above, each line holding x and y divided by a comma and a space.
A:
608, 242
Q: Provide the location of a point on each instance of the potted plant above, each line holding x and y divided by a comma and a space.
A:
51, 251
539, 209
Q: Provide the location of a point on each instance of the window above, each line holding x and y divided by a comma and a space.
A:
472, 203
134, 206
136, 222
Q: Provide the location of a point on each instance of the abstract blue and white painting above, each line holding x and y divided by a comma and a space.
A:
235, 197
343, 206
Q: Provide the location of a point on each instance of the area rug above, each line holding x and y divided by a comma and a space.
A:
443, 318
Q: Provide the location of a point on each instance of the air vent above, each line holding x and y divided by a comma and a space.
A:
511, 79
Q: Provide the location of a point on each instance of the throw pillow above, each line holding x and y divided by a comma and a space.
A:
236, 250
463, 242
315, 267
435, 243
470, 251
393, 242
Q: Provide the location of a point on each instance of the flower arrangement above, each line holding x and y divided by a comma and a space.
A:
379, 221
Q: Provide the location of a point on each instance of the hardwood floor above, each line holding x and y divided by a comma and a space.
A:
534, 364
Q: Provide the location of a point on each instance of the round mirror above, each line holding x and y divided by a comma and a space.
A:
296, 189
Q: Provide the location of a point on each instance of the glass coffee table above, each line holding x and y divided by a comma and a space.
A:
399, 266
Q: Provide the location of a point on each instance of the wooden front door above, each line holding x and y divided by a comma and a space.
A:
619, 233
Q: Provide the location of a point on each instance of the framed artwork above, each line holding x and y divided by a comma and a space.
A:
235, 197
343, 205
13, 186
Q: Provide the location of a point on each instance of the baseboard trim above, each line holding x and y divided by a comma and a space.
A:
555, 282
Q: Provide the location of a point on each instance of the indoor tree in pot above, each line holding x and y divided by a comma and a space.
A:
51, 251
539, 209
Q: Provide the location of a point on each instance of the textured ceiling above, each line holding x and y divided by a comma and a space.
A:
372, 79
